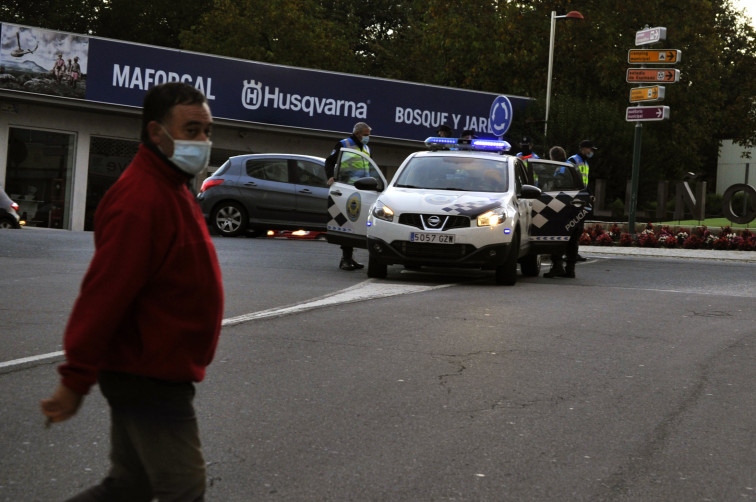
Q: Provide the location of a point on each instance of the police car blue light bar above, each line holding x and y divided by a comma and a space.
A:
440, 141
491, 145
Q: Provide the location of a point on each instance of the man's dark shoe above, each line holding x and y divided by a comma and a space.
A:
556, 271
356, 264
581, 258
346, 264
560, 273
569, 271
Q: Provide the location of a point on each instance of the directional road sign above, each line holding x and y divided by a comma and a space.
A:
650, 35
640, 75
646, 113
654, 93
660, 56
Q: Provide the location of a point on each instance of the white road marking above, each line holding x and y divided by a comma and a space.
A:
30, 360
366, 290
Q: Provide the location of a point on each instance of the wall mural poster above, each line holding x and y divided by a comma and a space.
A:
43, 61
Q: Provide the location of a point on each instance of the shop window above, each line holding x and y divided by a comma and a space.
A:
108, 158
39, 173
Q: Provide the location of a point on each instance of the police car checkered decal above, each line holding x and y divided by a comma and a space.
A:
472, 208
337, 219
550, 238
547, 207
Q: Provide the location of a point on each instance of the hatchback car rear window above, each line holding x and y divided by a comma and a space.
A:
268, 169
310, 173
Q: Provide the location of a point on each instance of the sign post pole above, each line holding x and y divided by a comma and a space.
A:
640, 114
634, 179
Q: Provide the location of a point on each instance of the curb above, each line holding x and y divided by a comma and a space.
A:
690, 254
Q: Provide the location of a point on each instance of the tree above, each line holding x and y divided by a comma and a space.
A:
289, 32
148, 21
76, 16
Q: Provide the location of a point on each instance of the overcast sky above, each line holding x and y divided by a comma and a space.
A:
748, 5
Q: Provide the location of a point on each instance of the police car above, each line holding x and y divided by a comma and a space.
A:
462, 203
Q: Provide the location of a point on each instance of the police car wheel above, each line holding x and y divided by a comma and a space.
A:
531, 265
376, 269
506, 274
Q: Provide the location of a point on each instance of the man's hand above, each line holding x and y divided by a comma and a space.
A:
330, 181
63, 404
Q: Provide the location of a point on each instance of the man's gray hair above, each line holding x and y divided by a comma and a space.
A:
360, 126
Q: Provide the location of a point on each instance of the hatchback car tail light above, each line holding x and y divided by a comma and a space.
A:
211, 182
14, 205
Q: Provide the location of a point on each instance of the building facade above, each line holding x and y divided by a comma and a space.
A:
70, 108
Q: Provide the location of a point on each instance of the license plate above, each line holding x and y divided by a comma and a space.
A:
431, 238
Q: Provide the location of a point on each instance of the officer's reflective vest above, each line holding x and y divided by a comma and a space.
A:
350, 143
582, 166
354, 168
531, 155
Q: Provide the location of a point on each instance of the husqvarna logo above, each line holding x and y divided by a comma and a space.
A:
251, 96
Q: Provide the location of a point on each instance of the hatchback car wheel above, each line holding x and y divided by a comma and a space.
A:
229, 219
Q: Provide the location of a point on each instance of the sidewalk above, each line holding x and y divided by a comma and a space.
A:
691, 254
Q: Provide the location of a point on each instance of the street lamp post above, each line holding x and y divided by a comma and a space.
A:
570, 15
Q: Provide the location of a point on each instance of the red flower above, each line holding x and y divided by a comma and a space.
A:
693, 242
626, 239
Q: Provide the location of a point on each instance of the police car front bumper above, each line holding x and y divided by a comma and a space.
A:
402, 252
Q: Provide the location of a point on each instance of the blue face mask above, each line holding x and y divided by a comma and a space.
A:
365, 140
589, 154
190, 156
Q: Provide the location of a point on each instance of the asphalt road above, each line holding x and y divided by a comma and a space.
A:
633, 382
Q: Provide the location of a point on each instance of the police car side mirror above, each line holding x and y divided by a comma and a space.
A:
530, 192
368, 183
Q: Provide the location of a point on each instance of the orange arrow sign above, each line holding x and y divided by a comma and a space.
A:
655, 93
639, 75
660, 56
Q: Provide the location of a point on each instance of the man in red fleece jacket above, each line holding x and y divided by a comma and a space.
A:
148, 316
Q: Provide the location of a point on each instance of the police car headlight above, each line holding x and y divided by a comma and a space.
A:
491, 219
383, 212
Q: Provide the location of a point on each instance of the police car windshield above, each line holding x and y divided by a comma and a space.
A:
467, 174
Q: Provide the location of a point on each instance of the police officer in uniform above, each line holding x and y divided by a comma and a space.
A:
526, 145
557, 262
357, 141
444, 131
580, 159
527, 153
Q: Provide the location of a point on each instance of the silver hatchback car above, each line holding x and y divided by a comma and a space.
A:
260, 192
8, 211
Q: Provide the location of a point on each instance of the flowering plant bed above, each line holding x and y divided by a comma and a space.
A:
670, 237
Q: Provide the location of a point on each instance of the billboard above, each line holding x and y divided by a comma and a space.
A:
43, 61
120, 73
